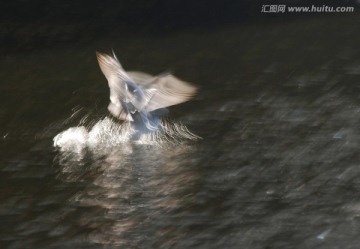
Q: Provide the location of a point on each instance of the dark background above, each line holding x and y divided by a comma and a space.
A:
26, 25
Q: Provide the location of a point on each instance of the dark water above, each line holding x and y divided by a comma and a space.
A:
278, 165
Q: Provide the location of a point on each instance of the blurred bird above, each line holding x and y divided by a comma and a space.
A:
139, 97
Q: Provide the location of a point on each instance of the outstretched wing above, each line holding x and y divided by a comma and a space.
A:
149, 93
169, 91
111, 68
141, 78
119, 83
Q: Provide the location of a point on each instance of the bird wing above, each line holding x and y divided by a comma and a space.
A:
118, 80
148, 93
141, 77
164, 90
169, 90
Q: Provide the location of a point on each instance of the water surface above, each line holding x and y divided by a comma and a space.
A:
278, 165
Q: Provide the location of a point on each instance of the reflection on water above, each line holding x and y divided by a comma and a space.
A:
131, 188
133, 195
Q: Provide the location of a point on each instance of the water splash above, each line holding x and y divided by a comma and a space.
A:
108, 133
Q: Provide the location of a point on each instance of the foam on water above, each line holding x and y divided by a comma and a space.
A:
107, 133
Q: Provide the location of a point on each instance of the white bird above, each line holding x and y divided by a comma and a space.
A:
140, 97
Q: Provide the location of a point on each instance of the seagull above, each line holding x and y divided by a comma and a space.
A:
141, 98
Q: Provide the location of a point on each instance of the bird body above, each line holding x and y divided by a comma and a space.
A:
139, 97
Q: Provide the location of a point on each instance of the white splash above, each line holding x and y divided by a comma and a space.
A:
108, 133
74, 138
